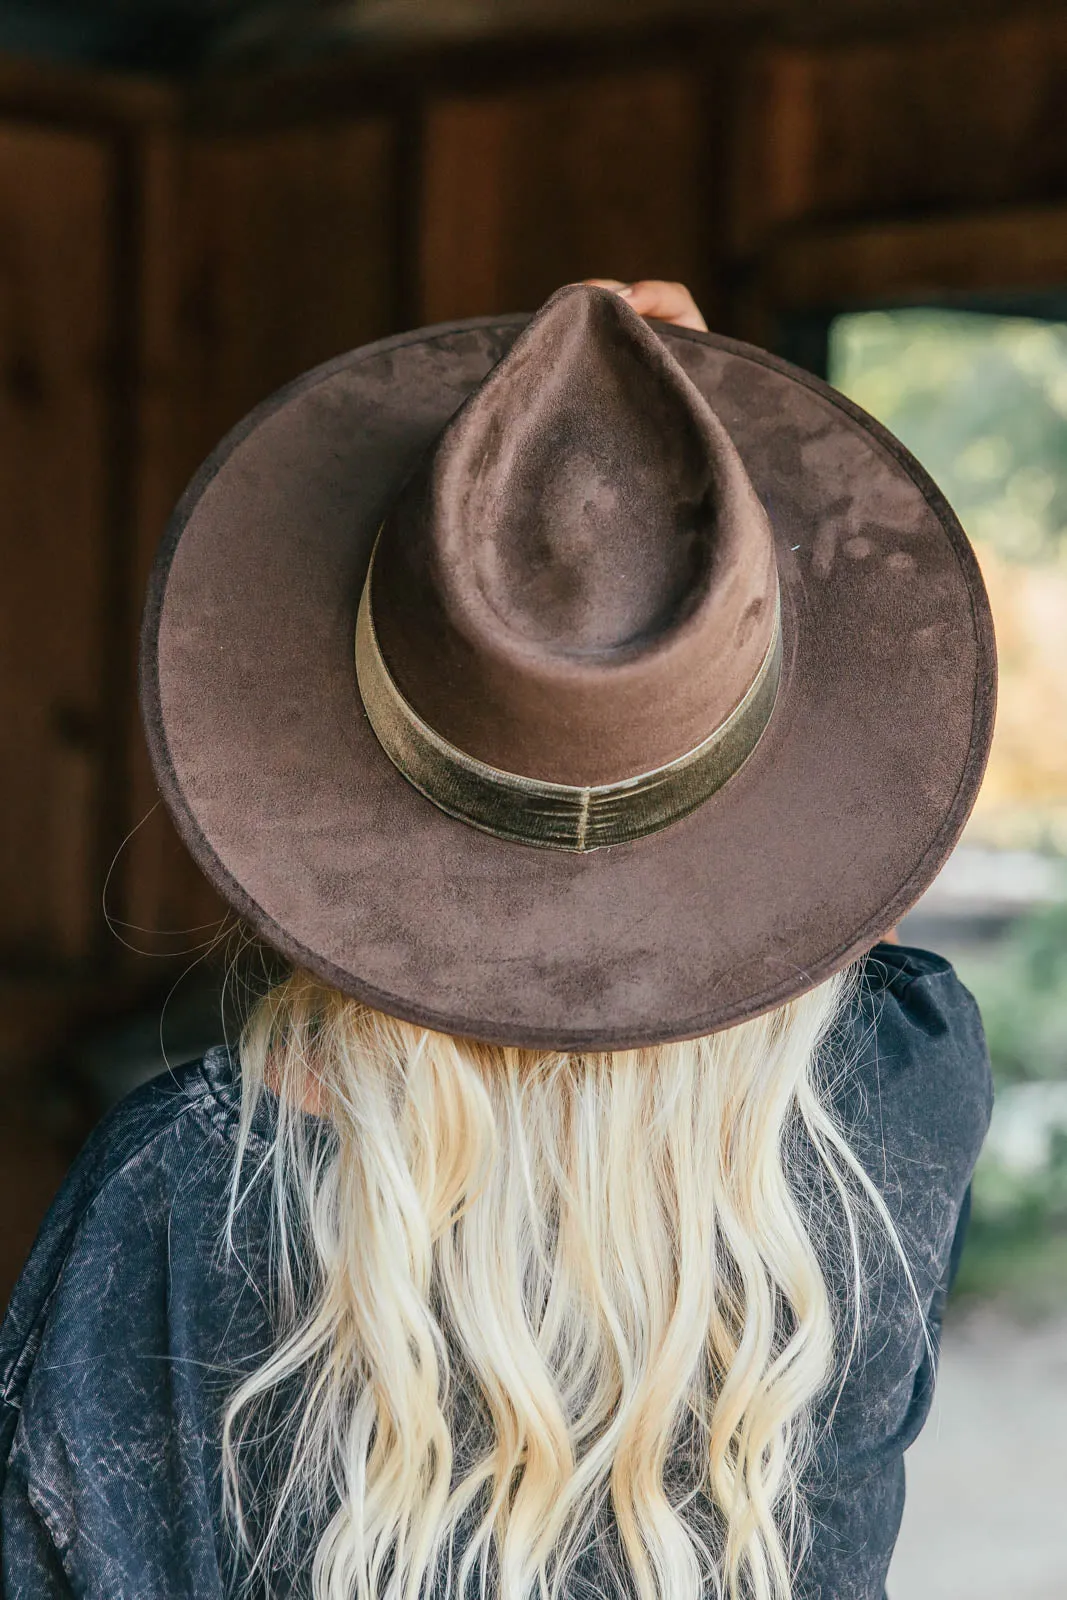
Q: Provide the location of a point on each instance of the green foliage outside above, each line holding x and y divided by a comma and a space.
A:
1022, 989
1017, 1245
982, 402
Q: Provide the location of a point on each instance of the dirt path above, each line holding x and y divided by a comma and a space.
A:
986, 1515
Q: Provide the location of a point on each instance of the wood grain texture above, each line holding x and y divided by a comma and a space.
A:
55, 348
875, 164
1003, 250
596, 176
954, 117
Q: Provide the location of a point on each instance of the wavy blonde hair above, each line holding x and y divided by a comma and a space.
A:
519, 1289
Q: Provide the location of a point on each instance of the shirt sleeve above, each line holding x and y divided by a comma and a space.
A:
31, 1567
114, 1360
921, 1097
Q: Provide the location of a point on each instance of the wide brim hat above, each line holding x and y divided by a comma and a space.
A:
276, 760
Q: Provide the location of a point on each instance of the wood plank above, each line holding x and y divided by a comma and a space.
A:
1016, 249
771, 134
598, 175
286, 249
82, 97
55, 191
952, 117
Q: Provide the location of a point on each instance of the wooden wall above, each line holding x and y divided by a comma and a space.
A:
56, 331
526, 188
925, 160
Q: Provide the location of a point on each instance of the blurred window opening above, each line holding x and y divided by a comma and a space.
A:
980, 397
982, 402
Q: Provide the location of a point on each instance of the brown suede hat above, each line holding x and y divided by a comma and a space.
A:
567, 682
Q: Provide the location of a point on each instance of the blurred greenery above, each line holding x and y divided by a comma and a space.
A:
1017, 1244
1021, 987
981, 400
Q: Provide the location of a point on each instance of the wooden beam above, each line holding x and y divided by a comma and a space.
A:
1009, 251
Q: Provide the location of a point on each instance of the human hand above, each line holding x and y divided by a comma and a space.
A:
652, 297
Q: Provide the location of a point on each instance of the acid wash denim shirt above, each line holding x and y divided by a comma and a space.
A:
134, 1319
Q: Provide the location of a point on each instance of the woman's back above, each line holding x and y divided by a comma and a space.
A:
136, 1320
569, 702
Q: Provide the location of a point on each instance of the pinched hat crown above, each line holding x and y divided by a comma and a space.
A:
570, 631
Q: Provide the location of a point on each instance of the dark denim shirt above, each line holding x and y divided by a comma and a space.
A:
132, 1320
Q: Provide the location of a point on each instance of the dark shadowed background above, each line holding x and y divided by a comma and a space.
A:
201, 198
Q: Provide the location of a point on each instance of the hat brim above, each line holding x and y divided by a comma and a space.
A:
840, 819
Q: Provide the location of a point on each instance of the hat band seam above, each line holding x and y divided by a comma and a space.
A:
535, 811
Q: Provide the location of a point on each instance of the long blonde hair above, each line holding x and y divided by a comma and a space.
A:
518, 1290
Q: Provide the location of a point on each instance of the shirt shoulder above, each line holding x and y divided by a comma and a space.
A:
913, 1092
916, 1081
138, 1311
125, 1180
912, 1086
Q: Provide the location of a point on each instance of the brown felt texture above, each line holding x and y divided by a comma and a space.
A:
579, 583
838, 821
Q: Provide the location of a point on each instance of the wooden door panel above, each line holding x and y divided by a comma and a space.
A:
54, 438
954, 117
536, 186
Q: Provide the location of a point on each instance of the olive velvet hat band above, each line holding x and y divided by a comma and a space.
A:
557, 815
